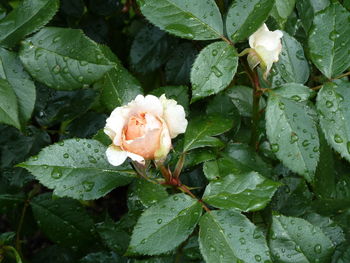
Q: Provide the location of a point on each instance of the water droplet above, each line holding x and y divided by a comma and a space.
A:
143, 241
318, 249
275, 147
80, 78
66, 155
88, 186
159, 221
61, 143
56, 173
333, 35
294, 138
296, 98
329, 104
338, 139
175, 198
257, 258
214, 52
281, 105
213, 249
56, 39
242, 240
241, 229
92, 159
56, 69
306, 143
216, 71
35, 158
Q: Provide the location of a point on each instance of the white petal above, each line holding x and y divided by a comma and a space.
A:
255, 36
115, 124
136, 157
174, 116
115, 155
164, 144
150, 104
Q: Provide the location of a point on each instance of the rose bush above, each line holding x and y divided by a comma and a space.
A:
168, 131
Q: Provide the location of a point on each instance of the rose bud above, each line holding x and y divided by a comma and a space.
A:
143, 129
265, 48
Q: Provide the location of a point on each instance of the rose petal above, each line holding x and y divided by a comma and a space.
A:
115, 124
115, 155
136, 157
174, 116
164, 144
150, 104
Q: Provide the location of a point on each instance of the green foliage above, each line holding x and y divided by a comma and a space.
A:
244, 18
333, 105
85, 176
27, 18
48, 60
226, 235
293, 134
259, 175
154, 232
295, 240
328, 41
213, 70
187, 19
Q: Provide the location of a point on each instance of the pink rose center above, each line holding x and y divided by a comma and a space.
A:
142, 135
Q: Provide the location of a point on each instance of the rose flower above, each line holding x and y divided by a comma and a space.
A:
143, 129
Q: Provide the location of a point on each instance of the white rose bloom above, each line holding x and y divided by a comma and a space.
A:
265, 48
143, 129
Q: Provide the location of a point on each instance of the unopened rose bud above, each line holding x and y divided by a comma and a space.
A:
265, 47
143, 129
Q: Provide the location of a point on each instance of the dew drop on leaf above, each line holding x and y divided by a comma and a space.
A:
338, 139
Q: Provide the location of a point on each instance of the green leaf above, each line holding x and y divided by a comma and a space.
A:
242, 97
284, 7
245, 192
154, 232
227, 236
178, 67
201, 129
12, 70
213, 69
292, 65
329, 42
8, 105
55, 106
244, 18
295, 91
118, 86
185, 18
328, 226
146, 193
293, 135
113, 236
296, 240
307, 10
63, 220
77, 168
28, 17
333, 105
198, 156
150, 49
324, 185
293, 198
248, 158
49, 58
